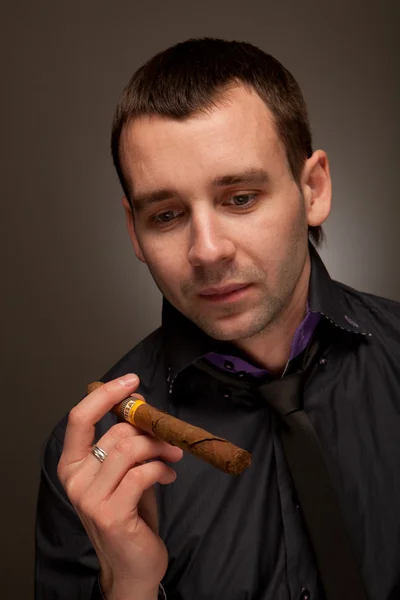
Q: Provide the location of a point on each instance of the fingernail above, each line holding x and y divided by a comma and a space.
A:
128, 379
171, 476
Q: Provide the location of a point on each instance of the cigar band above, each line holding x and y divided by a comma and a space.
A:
128, 409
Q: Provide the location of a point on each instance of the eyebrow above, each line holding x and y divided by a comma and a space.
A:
256, 176
249, 176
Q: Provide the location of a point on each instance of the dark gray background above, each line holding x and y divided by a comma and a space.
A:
74, 298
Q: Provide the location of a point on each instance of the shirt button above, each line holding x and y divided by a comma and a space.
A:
305, 594
229, 365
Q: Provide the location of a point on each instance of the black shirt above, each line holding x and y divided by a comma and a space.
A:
244, 537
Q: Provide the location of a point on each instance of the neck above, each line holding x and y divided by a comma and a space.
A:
270, 349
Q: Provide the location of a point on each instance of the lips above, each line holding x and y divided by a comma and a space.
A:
225, 289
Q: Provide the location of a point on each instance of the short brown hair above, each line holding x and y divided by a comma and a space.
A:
188, 78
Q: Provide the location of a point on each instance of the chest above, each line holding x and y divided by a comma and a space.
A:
233, 533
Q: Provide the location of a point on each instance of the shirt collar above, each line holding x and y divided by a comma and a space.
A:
185, 343
326, 297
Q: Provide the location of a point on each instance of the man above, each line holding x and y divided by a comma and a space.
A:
258, 345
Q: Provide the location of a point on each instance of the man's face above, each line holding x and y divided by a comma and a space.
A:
218, 218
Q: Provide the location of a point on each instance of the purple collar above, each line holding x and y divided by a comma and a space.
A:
301, 338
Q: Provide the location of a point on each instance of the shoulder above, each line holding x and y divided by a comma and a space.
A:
145, 359
380, 316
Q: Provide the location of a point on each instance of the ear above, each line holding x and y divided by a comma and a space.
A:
317, 188
130, 223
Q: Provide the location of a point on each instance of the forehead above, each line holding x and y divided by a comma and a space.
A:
236, 134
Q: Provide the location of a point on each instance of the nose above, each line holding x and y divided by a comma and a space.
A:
210, 243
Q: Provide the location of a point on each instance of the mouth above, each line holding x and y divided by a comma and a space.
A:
226, 293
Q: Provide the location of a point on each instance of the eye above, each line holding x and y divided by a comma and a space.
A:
166, 217
242, 199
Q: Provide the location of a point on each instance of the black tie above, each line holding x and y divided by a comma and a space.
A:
338, 569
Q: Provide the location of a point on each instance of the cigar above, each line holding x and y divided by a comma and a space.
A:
218, 452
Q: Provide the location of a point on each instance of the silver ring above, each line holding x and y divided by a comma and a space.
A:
99, 453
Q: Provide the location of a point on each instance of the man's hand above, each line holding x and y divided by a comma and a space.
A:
115, 500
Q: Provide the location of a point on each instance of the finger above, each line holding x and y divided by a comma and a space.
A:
137, 480
127, 453
82, 418
77, 478
107, 442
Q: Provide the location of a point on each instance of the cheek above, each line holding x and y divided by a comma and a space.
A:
165, 263
290, 224
275, 241
277, 216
